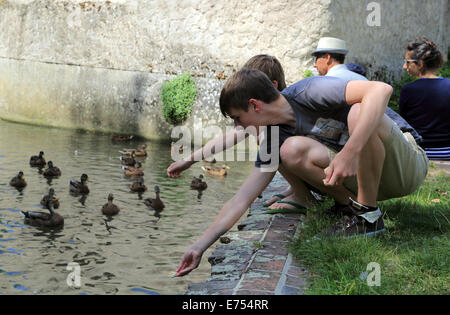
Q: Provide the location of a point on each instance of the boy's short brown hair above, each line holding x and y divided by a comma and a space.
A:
270, 66
244, 85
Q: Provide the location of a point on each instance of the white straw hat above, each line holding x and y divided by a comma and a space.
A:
331, 45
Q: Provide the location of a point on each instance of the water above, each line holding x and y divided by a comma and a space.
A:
132, 253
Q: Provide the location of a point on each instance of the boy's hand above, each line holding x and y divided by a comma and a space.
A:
176, 168
344, 165
190, 261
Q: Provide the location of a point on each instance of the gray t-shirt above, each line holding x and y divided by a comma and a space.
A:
320, 110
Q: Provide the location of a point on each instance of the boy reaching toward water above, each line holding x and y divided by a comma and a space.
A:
332, 135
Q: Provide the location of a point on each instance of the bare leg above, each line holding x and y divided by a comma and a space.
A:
306, 159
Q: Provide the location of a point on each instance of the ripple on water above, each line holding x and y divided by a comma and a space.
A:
131, 253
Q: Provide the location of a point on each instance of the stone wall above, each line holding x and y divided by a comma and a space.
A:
100, 64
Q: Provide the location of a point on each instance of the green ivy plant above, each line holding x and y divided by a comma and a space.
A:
178, 97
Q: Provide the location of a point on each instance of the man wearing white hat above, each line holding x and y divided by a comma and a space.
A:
329, 59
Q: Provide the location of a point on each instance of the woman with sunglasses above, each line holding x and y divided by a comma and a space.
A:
425, 103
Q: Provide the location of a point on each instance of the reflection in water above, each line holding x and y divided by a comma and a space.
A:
130, 253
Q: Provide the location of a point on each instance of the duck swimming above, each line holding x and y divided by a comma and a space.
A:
18, 181
79, 187
216, 171
50, 197
116, 137
133, 171
38, 160
138, 185
129, 161
155, 203
137, 152
198, 183
110, 208
43, 219
51, 171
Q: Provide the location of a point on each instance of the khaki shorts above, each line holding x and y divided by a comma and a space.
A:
404, 170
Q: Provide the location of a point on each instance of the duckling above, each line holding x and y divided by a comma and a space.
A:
130, 161
198, 183
116, 137
51, 171
51, 196
137, 152
38, 160
138, 185
133, 171
18, 181
110, 208
155, 203
216, 171
42, 219
79, 187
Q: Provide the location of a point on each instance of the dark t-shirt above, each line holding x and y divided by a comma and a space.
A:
425, 105
320, 110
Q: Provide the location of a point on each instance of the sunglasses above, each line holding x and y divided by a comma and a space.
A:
408, 61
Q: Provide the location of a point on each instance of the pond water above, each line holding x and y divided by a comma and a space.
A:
131, 253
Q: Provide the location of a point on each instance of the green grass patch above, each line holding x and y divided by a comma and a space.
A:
413, 253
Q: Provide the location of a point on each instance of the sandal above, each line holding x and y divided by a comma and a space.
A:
281, 196
298, 208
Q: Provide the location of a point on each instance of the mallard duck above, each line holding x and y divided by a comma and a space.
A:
79, 187
129, 161
51, 171
116, 137
155, 203
138, 185
137, 152
133, 171
110, 208
216, 171
198, 183
18, 181
43, 219
51, 196
38, 160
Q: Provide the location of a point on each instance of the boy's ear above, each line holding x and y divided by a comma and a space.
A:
256, 104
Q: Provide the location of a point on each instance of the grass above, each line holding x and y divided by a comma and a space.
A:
413, 253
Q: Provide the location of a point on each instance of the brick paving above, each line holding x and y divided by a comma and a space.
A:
254, 259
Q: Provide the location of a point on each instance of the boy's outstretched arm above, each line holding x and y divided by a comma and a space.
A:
230, 213
212, 147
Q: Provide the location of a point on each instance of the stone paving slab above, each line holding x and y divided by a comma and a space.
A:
254, 260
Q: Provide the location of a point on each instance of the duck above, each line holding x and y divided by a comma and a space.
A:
43, 219
38, 160
129, 161
133, 171
137, 152
110, 208
155, 203
216, 171
174, 148
138, 185
198, 183
51, 196
79, 187
18, 181
51, 171
117, 137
